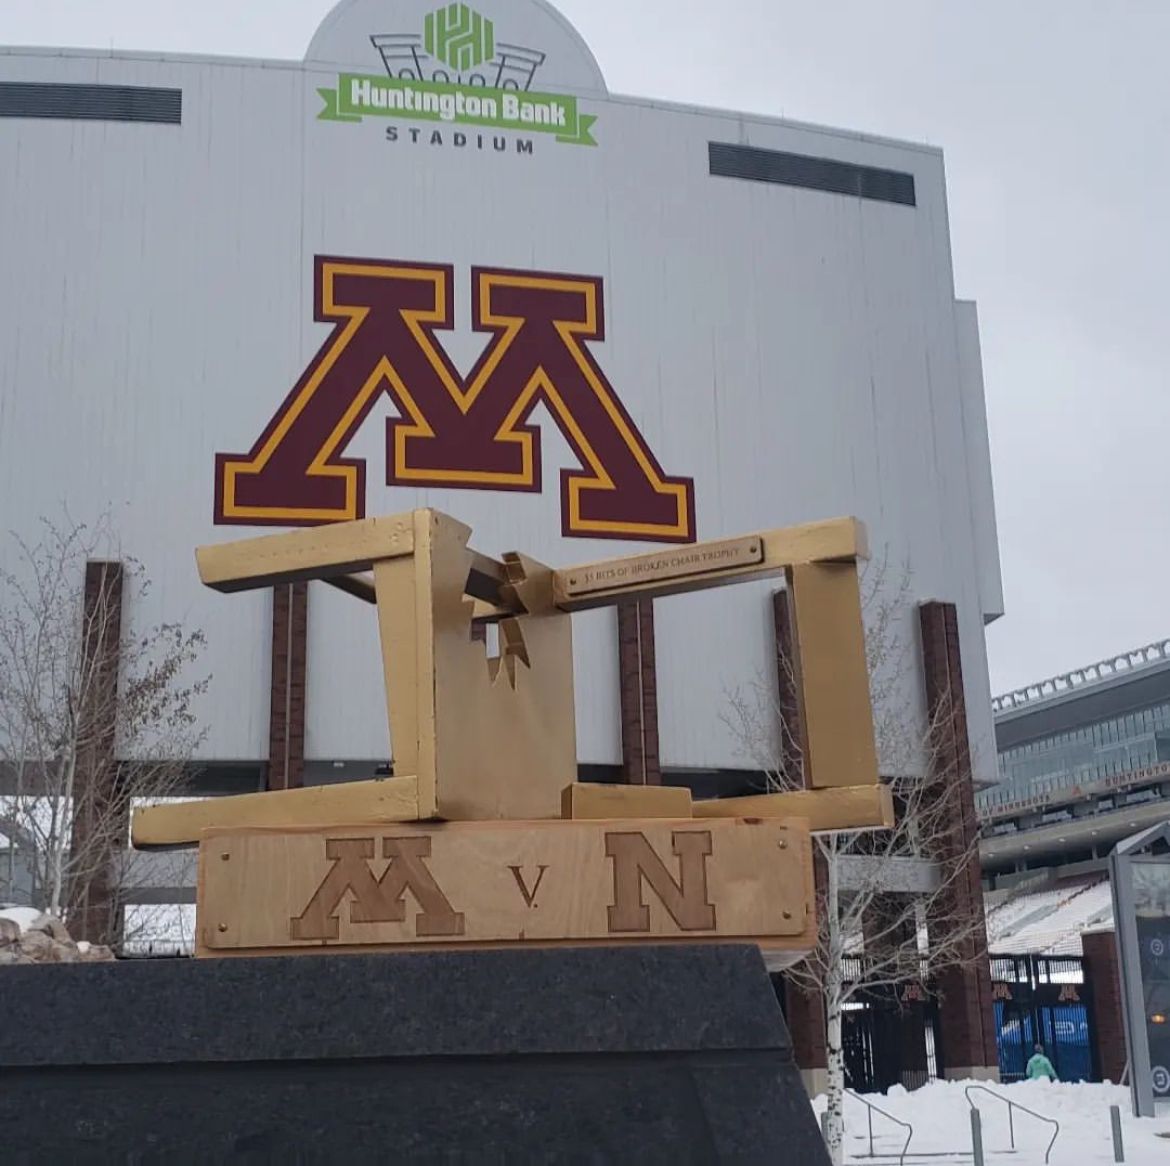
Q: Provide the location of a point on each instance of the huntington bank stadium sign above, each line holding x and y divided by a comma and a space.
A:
453, 70
464, 432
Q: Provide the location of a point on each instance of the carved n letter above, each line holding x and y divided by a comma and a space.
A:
635, 860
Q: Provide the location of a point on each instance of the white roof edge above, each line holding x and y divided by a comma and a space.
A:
584, 94
1066, 686
339, 11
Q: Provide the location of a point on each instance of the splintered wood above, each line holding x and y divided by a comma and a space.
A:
496, 884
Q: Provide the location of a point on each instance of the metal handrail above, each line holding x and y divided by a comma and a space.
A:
1011, 1123
871, 1109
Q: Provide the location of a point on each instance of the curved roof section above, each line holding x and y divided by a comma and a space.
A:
511, 44
1114, 670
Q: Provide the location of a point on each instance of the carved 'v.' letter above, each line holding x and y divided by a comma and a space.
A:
472, 433
634, 859
529, 896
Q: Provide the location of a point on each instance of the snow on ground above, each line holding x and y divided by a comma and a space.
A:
941, 1119
23, 917
165, 929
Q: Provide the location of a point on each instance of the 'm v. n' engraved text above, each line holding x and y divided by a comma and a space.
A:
472, 432
377, 900
495, 899
685, 900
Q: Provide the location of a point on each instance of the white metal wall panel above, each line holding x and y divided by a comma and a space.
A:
979, 461
152, 278
794, 351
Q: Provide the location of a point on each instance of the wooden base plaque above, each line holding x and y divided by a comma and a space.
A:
498, 884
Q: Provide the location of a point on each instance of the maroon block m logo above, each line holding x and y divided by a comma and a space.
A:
466, 433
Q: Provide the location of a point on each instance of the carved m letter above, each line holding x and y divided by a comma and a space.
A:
377, 900
634, 859
408, 872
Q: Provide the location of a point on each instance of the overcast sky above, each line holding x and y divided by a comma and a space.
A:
1055, 119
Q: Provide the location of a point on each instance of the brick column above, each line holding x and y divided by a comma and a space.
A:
966, 1011
638, 687
101, 816
286, 714
787, 693
1104, 979
805, 1011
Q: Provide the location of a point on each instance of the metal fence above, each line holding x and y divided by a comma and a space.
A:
1044, 1000
892, 1036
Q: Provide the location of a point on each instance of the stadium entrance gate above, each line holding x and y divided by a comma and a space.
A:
1044, 1000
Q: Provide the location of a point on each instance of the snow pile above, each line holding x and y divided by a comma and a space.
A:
23, 917
941, 1119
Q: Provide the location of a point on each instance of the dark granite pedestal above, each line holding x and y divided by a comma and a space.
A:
593, 1055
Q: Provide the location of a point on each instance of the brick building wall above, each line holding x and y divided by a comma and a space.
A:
286, 718
638, 693
967, 1014
1104, 975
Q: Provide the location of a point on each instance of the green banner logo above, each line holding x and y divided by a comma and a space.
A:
358, 96
490, 88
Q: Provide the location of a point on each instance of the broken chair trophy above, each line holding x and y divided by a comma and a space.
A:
485, 837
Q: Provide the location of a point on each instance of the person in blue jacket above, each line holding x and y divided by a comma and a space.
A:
1040, 1066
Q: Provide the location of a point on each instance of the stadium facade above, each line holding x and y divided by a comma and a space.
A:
436, 263
1084, 762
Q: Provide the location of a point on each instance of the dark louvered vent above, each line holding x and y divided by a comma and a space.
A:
755, 165
91, 102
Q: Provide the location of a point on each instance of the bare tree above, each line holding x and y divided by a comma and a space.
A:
94, 717
887, 898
